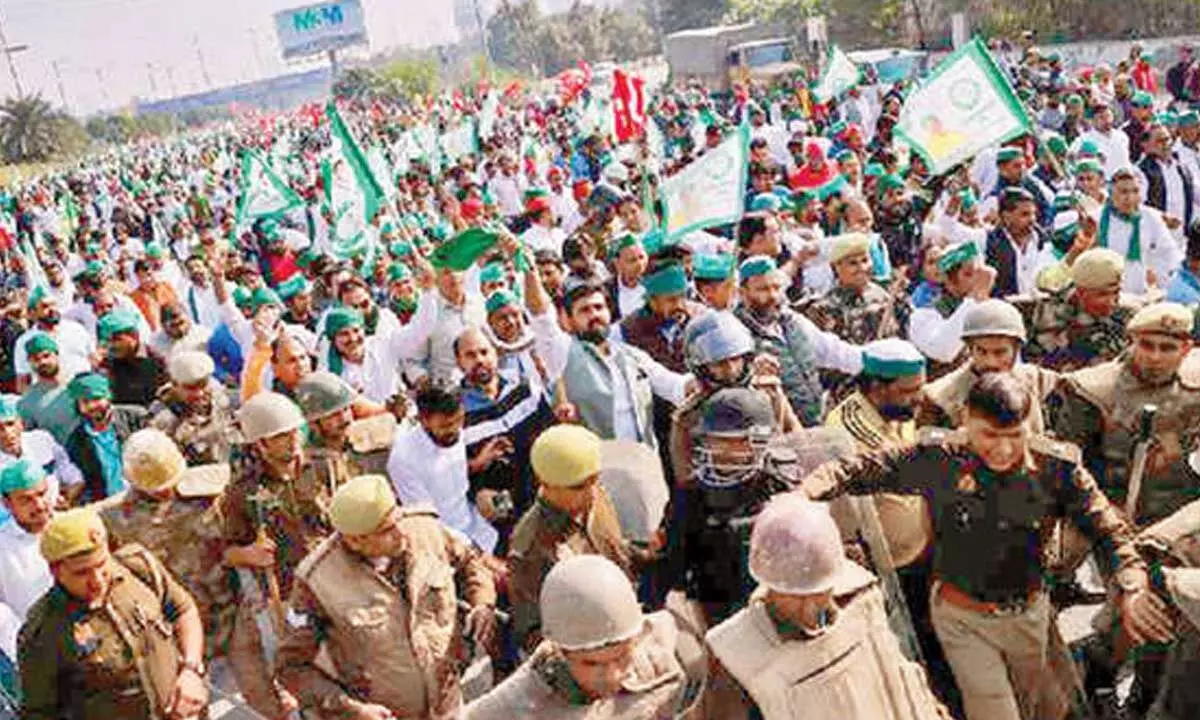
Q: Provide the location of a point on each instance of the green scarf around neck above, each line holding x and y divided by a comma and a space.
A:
1134, 254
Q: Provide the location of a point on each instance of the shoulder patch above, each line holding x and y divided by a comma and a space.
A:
931, 436
204, 481
1059, 449
306, 566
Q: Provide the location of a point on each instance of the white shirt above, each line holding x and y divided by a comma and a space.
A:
1173, 184
1029, 262
1160, 250
24, 578
508, 193
539, 237
565, 209
41, 449
378, 376
202, 306
1114, 145
1190, 159
422, 471
75, 348
630, 299
83, 313
937, 337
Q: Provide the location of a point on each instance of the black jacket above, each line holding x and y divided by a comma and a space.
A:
126, 421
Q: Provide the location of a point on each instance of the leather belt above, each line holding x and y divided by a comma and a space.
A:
959, 598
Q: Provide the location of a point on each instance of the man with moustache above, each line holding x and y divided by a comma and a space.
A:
74, 342
194, 410
799, 345
46, 404
95, 444
29, 495
993, 333
504, 414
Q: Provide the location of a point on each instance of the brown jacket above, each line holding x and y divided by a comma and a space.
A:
119, 660
392, 634
546, 535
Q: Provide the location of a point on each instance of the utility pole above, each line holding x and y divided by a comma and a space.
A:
9, 51
171, 81
150, 77
62, 89
203, 65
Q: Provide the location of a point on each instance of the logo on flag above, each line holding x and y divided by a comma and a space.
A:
710, 191
840, 75
964, 107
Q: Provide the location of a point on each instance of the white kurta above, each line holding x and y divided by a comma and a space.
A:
937, 337
24, 578
75, 348
422, 471
1160, 250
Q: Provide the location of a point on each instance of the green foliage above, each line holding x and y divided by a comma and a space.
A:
32, 131
413, 77
121, 128
521, 38
675, 15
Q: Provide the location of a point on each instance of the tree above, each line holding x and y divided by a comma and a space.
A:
31, 130
413, 77
676, 15
513, 35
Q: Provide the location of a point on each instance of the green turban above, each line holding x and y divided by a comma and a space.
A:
340, 318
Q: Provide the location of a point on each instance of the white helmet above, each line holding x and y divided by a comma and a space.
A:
268, 414
795, 547
587, 602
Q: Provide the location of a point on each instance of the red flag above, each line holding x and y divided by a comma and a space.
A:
571, 82
629, 105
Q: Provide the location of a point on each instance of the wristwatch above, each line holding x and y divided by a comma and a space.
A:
195, 666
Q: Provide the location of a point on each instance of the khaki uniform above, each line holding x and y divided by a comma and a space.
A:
854, 669
294, 514
944, 403
858, 318
991, 537
905, 518
688, 414
185, 534
1099, 409
119, 660
392, 633
204, 439
1063, 337
655, 686
545, 535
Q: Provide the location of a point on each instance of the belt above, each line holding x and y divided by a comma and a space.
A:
959, 598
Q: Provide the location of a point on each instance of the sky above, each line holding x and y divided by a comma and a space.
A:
109, 51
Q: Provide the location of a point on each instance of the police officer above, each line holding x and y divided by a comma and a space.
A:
855, 308
601, 656
992, 488
116, 637
993, 333
719, 352
326, 401
734, 474
572, 515
814, 641
273, 516
194, 409
173, 513
379, 595
1099, 408
1084, 323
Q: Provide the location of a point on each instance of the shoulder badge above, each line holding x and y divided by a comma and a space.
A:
204, 481
1059, 449
931, 436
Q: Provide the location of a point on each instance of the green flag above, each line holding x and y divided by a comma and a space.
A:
840, 75
460, 141
966, 105
353, 193
488, 115
710, 191
263, 193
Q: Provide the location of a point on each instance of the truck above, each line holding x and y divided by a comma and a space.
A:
720, 56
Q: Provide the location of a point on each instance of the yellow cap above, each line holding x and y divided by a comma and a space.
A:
1164, 318
1098, 269
72, 533
849, 244
566, 456
360, 506
151, 460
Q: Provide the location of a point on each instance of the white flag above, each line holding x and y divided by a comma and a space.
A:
840, 75
710, 191
263, 192
965, 106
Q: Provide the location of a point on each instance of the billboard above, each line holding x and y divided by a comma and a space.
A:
314, 29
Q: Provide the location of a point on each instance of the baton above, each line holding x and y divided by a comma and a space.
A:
1141, 452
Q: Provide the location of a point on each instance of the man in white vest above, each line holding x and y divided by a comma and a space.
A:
814, 641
